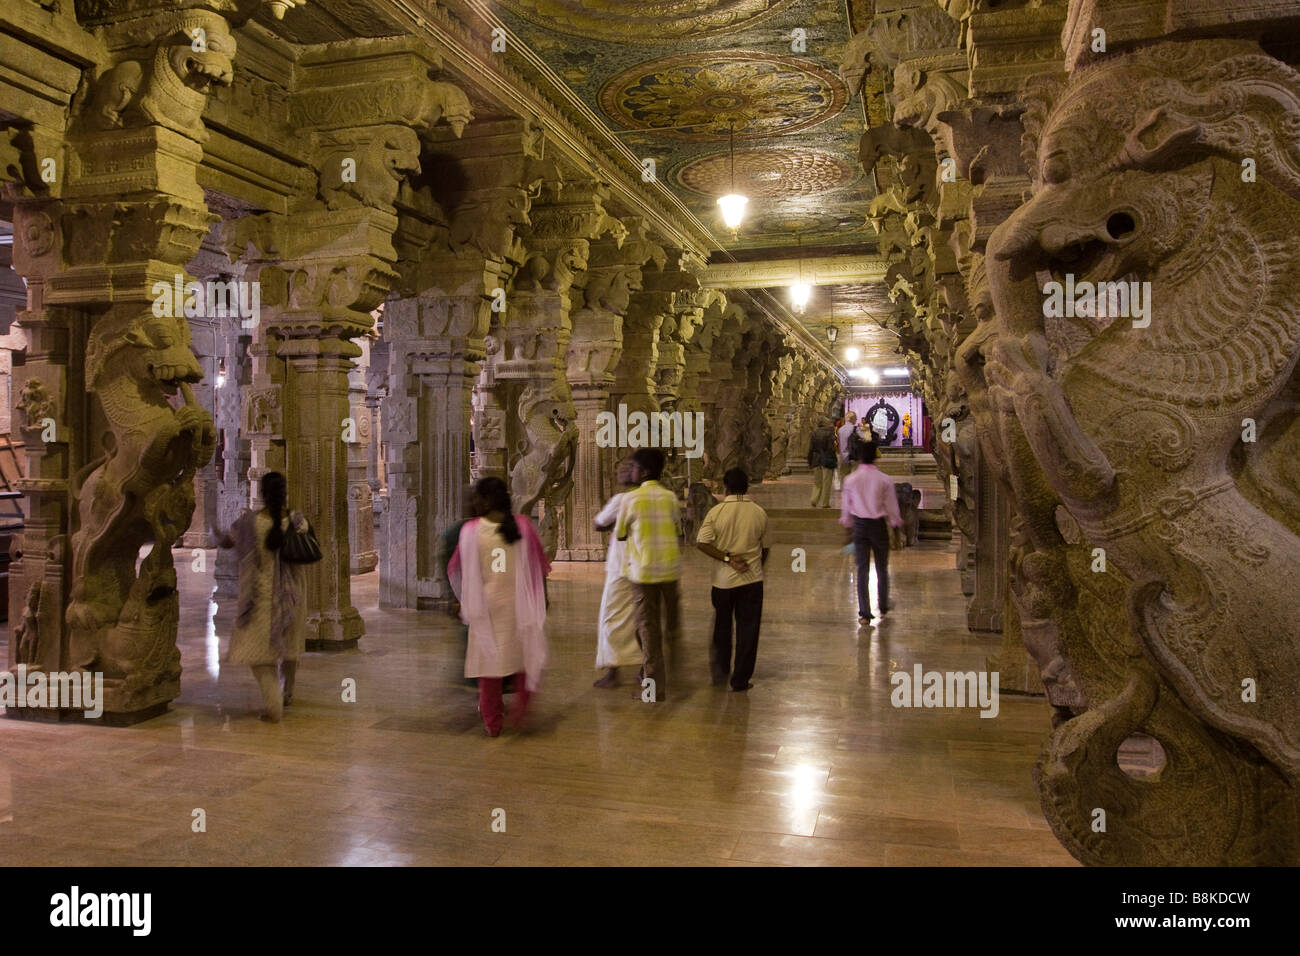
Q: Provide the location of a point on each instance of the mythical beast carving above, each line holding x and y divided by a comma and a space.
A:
123, 620
545, 471
169, 85
1129, 437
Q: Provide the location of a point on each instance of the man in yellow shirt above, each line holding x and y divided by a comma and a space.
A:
735, 532
650, 522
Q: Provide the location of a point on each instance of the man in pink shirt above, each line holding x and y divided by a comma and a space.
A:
867, 502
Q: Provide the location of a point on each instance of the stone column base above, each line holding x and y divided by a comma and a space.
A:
334, 631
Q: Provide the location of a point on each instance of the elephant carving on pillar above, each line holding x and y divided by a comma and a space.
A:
1134, 423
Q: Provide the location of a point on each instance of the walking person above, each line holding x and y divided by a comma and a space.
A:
616, 642
498, 573
649, 520
844, 438
735, 533
822, 459
868, 507
270, 626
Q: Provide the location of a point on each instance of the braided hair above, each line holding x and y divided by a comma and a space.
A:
495, 496
275, 494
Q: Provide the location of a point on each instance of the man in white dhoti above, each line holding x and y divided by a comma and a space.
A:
616, 643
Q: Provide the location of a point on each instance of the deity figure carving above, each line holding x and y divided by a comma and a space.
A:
26, 633
35, 403
1135, 426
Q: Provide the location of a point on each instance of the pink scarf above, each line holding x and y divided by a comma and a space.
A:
466, 578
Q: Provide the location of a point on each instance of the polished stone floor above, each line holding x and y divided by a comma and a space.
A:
812, 766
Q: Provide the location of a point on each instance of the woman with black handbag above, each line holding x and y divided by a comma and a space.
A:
270, 628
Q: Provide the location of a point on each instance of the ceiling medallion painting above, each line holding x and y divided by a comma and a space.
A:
695, 97
808, 223
644, 21
767, 173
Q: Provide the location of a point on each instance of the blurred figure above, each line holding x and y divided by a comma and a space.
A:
498, 572
736, 533
844, 447
869, 501
822, 459
270, 626
649, 521
616, 643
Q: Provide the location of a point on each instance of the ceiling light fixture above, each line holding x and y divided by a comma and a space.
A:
896, 372
733, 204
853, 353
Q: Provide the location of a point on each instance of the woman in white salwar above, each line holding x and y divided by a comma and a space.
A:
270, 624
616, 643
499, 575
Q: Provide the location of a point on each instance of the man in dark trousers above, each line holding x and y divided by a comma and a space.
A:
822, 459
867, 502
735, 533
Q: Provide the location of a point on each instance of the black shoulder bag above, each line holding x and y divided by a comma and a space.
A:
300, 547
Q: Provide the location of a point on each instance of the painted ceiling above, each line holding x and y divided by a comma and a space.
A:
670, 76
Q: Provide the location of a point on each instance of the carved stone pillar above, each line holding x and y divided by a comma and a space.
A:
205, 326
531, 375
110, 364
634, 383
613, 275
991, 547
233, 495
358, 438
435, 331
719, 397
323, 270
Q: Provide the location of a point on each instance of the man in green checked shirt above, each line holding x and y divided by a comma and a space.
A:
650, 522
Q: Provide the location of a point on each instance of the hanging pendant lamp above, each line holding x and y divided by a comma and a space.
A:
733, 204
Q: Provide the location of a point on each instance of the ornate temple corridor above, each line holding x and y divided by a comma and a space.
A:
813, 766
316, 280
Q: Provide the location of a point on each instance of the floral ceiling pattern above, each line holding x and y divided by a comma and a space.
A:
670, 77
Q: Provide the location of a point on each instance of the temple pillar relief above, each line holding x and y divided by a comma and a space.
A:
110, 365
778, 412
359, 439
206, 326
233, 493
719, 398
323, 269
613, 275
1107, 485
530, 375
436, 332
